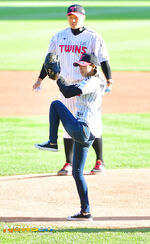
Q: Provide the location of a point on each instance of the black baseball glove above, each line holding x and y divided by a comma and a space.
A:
52, 66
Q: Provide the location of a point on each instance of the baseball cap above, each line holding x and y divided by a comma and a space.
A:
86, 59
76, 10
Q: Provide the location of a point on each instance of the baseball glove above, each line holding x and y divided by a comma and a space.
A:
52, 66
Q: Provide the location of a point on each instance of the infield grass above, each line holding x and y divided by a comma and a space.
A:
126, 140
27, 27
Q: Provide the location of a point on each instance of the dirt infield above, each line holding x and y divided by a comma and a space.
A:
130, 94
119, 198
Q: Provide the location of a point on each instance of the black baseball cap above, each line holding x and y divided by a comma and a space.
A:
86, 59
76, 10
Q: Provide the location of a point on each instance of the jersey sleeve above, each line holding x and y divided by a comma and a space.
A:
101, 50
52, 45
66, 90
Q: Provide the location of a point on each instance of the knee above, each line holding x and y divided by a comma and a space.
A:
54, 103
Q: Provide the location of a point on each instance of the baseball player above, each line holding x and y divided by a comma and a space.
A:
69, 45
81, 128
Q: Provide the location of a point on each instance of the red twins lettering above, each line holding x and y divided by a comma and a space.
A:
78, 49
68, 48
73, 49
61, 46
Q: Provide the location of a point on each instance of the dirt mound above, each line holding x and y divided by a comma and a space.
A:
118, 199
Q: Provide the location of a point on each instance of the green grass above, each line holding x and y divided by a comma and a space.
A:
126, 139
27, 27
80, 235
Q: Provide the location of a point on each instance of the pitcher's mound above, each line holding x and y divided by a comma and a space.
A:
118, 199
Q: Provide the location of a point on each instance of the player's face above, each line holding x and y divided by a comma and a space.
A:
76, 22
86, 70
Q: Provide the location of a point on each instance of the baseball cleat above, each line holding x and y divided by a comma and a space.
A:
80, 217
66, 170
99, 168
48, 146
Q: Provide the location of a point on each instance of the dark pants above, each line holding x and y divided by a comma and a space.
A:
83, 140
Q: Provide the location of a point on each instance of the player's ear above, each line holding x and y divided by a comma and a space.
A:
93, 66
82, 17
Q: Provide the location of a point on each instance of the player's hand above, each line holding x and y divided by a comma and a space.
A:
37, 84
108, 88
109, 85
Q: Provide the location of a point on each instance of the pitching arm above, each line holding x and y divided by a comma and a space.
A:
68, 91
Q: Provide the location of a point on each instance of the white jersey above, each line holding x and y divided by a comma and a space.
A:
70, 48
89, 102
